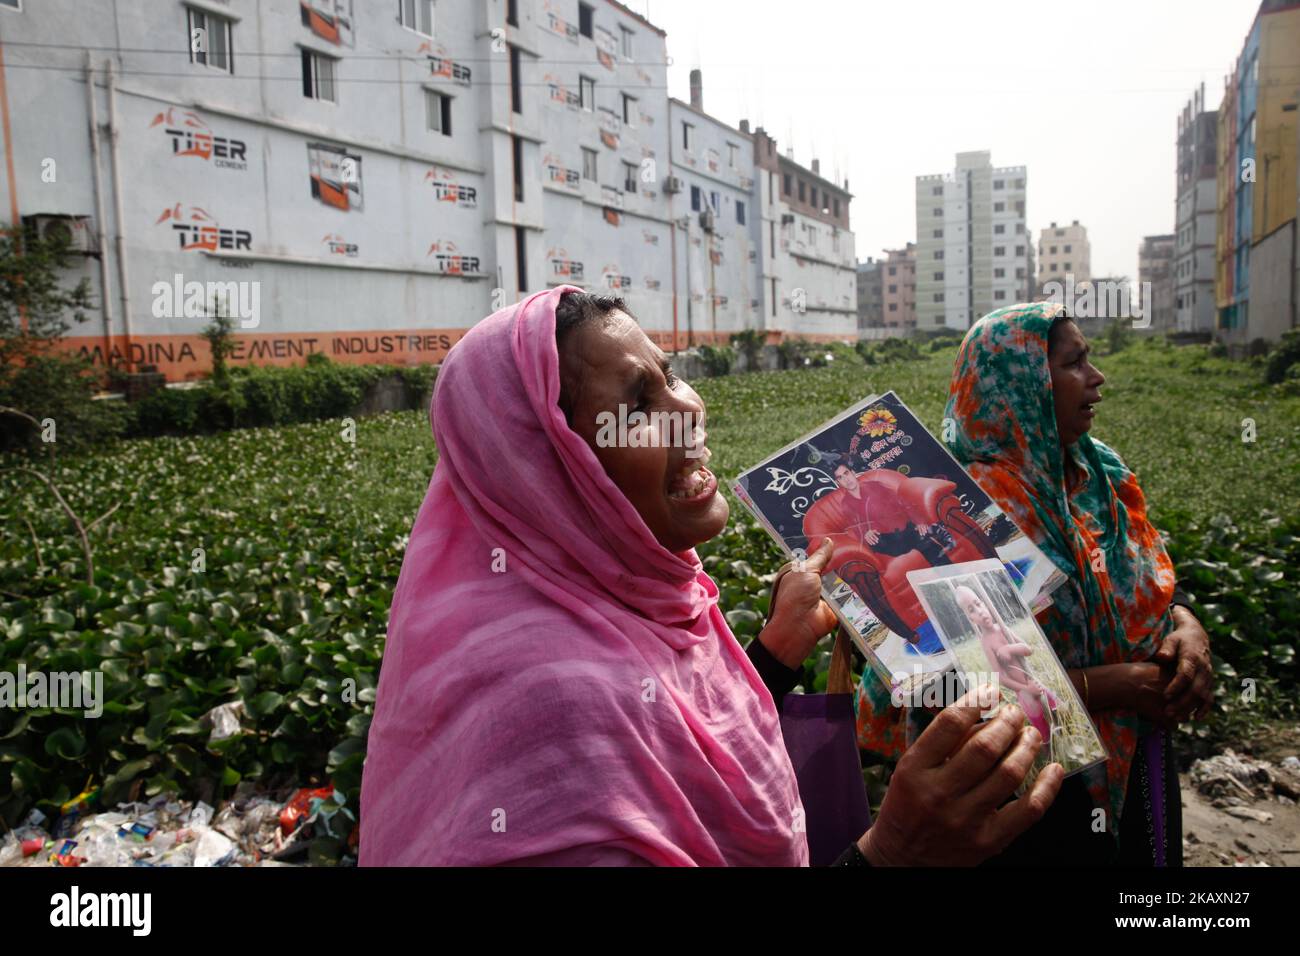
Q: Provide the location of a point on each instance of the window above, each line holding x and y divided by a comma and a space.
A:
317, 77
999, 207
1053, 250
416, 15
893, 307
1020, 273
209, 40
512, 18
1020, 227
1067, 267
626, 35
803, 190
893, 288
1020, 250
687, 137
587, 93
740, 212
1020, 184
629, 110
999, 229
938, 297
999, 250
1067, 248
437, 108
836, 207
629, 177
517, 154
695, 198
715, 202
1053, 268
938, 190
999, 273
938, 276
586, 16
521, 259
516, 82
785, 183
812, 198
999, 184
938, 234
938, 211
588, 164
12, 4
893, 271
938, 253
1000, 294
733, 153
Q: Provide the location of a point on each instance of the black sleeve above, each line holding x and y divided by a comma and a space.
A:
777, 678
851, 857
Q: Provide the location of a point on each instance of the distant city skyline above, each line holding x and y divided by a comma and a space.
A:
884, 94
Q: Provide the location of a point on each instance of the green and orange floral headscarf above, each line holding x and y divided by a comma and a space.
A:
1115, 606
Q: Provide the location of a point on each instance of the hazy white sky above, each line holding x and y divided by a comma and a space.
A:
1086, 94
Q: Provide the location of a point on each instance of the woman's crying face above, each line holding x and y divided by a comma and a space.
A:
646, 427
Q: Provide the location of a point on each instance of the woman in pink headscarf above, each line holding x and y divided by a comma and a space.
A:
559, 685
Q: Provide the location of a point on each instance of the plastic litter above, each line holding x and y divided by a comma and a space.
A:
250, 829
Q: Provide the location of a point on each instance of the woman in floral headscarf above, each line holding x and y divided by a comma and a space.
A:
1021, 402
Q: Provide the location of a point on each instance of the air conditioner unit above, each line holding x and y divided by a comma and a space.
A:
74, 229
706, 220
672, 185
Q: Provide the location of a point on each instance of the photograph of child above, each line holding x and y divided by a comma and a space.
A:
993, 638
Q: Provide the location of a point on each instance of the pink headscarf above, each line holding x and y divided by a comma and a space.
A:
588, 703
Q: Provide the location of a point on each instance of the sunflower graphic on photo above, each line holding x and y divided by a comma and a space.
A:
878, 421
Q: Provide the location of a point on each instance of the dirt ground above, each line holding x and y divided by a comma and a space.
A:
1226, 826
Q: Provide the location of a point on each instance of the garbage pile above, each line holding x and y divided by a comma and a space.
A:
249, 830
1229, 777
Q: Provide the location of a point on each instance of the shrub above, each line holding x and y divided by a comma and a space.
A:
1283, 356
749, 343
717, 360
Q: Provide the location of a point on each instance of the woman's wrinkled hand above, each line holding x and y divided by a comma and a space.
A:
799, 618
1146, 683
1190, 694
944, 805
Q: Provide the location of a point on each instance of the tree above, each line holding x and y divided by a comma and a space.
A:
36, 310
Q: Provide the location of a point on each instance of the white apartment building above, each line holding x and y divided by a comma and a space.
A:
1196, 213
716, 225
972, 250
383, 173
1062, 251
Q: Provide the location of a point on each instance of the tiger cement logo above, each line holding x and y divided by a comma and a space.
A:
449, 260
446, 189
190, 136
197, 229
442, 67
338, 246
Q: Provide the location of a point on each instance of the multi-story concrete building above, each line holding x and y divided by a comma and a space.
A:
973, 253
1062, 251
715, 227
871, 305
376, 176
1156, 266
806, 246
1194, 255
898, 293
1257, 181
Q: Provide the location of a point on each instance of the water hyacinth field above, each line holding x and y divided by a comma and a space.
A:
257, 566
